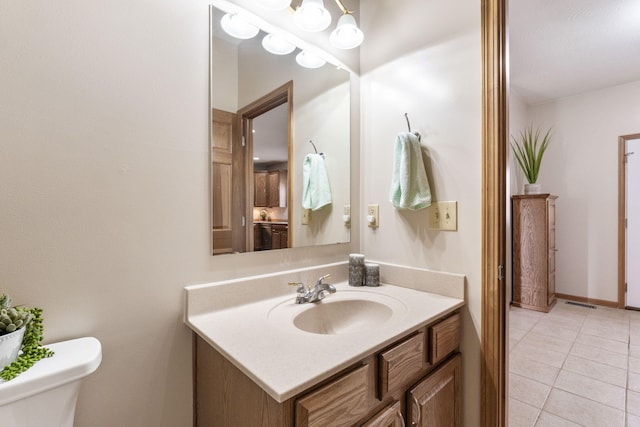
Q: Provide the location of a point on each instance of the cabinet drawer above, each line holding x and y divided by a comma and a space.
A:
342, 402
391, 416
402, 363
444, 338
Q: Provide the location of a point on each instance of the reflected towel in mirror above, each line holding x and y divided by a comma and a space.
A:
316, 192
409, 185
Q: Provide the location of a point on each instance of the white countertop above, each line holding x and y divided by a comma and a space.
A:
259, 338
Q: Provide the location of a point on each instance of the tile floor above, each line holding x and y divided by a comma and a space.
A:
574, 366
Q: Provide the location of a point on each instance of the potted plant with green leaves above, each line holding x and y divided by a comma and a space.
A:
529, 150
21, 333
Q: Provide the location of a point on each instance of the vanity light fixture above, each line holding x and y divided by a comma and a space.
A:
347, 35
309, 60
312, 16
236, 26
277, 45
275, 4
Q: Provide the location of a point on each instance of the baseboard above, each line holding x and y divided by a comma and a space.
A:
604, 303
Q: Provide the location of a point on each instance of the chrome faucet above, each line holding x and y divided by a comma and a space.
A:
308, 294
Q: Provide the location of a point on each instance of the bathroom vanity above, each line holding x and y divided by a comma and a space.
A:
380, 356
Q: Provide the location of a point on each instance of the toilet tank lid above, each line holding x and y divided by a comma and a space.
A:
73, 359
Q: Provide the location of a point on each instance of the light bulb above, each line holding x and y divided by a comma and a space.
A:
277, 45
309, 60
347, 35
312, 16
236, 26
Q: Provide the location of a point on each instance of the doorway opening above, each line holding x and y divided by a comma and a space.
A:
268, 199
628, 221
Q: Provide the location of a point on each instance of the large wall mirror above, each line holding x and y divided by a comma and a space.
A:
280, 136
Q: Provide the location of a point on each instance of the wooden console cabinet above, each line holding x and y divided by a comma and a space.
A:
415, 381
534, 251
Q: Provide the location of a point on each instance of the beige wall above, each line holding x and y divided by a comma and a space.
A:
432, 73
104, 172
581, 168
104, 187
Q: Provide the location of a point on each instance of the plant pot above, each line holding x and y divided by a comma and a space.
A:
10, 346
532, 189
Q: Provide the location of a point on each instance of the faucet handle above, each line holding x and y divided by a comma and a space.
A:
300, 285
326, 276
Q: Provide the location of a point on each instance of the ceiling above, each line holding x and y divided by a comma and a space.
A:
559, 48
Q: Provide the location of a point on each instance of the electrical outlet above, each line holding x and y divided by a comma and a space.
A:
373, 218
443, 216
306, 216
346, 215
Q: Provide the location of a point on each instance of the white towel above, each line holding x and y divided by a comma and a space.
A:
316, 192
409, 185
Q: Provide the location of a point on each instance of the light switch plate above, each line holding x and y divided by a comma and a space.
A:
306, 216
443, 216
373, 212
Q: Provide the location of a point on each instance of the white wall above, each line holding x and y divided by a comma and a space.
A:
438, 82
581, 168
104, 191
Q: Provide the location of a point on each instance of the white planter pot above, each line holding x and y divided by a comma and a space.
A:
532, 189
10, 346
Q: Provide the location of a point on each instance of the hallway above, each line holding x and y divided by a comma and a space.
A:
574, 366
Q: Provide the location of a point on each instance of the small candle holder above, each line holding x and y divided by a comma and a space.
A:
356, 269
371, 274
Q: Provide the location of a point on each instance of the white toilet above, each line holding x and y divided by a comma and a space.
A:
46, 394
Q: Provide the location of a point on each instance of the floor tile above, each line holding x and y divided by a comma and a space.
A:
538, 353
599, 371
599, 355
527, 390
633, 402
634, 382
580, 365
549, 327
546, 342
549, 420
633, 421
607, 394
603, 343
517, 333
532, 369
521, 414
582, 411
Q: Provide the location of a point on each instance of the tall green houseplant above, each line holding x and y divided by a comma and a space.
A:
529, 151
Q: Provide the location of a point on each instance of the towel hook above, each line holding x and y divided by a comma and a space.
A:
314, 148
406, 116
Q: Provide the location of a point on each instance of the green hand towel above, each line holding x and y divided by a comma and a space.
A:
316, 192
409, 185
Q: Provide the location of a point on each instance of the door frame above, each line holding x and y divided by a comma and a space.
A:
494, 142
622, 209
271, 100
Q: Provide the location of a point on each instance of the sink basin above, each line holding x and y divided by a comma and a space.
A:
342, 316
340, 313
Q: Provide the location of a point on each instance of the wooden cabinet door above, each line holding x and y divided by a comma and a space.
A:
222, 136
391, 416
273, 192
260, 189
435, 401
